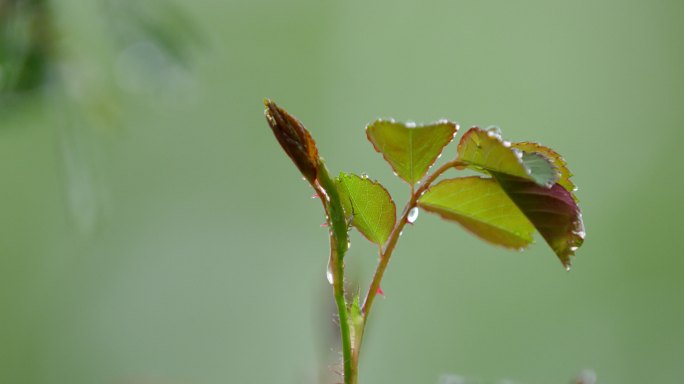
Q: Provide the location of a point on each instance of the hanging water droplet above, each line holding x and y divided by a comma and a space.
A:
401, 233
567, 268
328, 273
348, 244
412, 215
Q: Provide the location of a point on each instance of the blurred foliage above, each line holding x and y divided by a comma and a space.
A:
26, 45
151, 42
150, 33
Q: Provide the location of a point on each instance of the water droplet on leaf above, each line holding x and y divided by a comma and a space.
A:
494, 131
412, 215
518, 153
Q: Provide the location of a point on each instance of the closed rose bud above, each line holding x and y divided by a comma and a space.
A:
294, 138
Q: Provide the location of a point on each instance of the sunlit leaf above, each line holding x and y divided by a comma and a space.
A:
368, 205
486, 151
553, 211
481, 206
555, 158
410, 149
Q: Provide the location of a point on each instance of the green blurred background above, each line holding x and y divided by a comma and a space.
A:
153, 231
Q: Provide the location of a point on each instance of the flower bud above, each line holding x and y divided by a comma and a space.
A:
294, 138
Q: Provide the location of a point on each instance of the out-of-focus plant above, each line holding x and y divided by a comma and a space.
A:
146, 49
525, 187
26, 45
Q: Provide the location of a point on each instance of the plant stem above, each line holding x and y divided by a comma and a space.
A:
327, 191
385, 255
386, 252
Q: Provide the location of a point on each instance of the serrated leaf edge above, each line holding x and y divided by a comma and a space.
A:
506, 144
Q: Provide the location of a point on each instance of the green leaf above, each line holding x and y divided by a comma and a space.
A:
410, 149
482, 207
486, 151
555, 158
541, 170
368, 205
553, 211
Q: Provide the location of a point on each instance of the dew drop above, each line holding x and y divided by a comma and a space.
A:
348, 244
518, 153
328, 273
574, 248
401, 233
364, 175
410, 124
567, 268
494, 131
412, 215
315, 196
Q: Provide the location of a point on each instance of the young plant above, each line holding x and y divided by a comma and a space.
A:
525, 187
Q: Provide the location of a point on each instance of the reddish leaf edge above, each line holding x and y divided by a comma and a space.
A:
566, 246
565, 174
